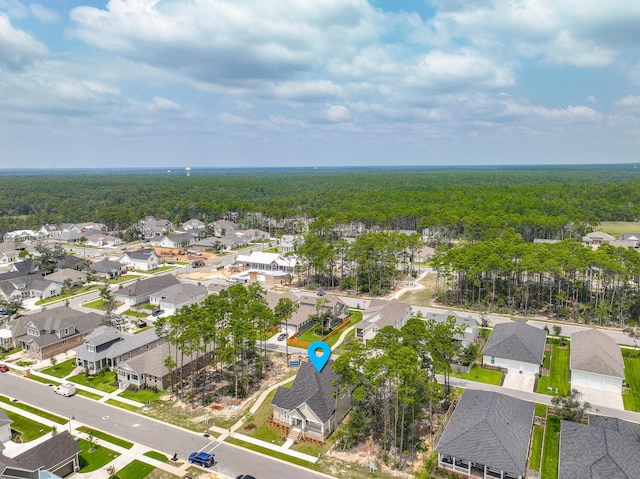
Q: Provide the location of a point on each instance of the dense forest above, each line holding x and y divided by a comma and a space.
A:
469, 204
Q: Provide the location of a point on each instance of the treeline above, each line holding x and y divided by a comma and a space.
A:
475, 204
564, 280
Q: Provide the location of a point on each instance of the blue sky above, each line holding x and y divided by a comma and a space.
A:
233, 83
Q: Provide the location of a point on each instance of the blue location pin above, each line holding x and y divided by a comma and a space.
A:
319, 362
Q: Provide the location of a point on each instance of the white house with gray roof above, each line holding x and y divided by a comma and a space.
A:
175, 297
488, 435
516, 347
106, 347
606, 448
381, 313
468, 324
595, 362
144, 259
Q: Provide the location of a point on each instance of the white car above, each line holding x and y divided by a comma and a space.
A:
295, 290
66, 389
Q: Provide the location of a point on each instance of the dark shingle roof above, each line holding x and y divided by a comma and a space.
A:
517, 341
490, 428
148, 286
50, 453
311, 387
606, 448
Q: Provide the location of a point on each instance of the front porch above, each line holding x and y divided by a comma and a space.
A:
473, 469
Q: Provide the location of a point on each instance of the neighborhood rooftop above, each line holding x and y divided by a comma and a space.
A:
517, 341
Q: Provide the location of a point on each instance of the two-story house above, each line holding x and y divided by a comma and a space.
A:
144, 259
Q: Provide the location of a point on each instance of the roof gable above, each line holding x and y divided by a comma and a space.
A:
517, 341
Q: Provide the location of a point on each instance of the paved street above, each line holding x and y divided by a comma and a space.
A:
153, 434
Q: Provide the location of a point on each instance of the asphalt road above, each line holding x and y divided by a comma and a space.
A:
231, 461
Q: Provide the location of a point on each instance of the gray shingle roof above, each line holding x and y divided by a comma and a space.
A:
517, 341
606, 448
383, 313
595, 352
151, 362
490, 428
148, 286
311, 387
121, 343
181, 293
50, 453
140, 254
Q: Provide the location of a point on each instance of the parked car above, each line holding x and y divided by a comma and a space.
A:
4, 368
65, 389
295, 290
202, 459
321, 293
282, 336
157, 312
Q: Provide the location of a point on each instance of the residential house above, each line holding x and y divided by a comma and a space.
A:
467, 324
487, 436
595, 362
289, 243
17, 327
107, 269
102, 239
301, 320
222, 226
141, 291
516, 347
175, 297
314, 405
48, 231
69, 237
27, 286
8, 252
86, 228
69, 261
107, 347
260, 260
149, 370
144, 259
596, 239
193, 224
151, 227
52, 458
333, 304
177, 240
20, 236
605, 448
51, 335
381, 313
633, 238
70, 277
253, 234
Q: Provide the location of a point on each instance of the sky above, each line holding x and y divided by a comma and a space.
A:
279, 83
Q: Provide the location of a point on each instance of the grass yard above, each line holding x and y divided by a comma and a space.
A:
422, 296
62, 369
123, 279
122, 405
103, 382
259, 420
95, 304
481, 375
536, 448
33, 410
551, 449
42, 380
185, 418
158, 456
135, 470
541, 410
87, 394
135, 314
142, 395
631, 397
68, 294
96, 459
106, 437
29, 428
312, 449
559, 374
269, 452
617, 228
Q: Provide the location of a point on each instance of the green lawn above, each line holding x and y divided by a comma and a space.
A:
158, 456
123, 279
106, 437
142, 395
541, 410
33, 410
261, 430
135, 470
135, 314
96, 459
95, 304
616, 228
559, 373
481, 375
62, 369
103, 382
68, 294
42, 380
536, 448
122, 405
551, 448
269, 452
631, 397
29, 428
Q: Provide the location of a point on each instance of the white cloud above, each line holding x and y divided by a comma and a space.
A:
17, 48
43, 13
337, 113
159, 103
630, 101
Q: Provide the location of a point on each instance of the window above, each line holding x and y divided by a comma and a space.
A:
493, 360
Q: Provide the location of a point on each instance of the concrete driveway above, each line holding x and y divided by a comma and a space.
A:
520, 382
597, 397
